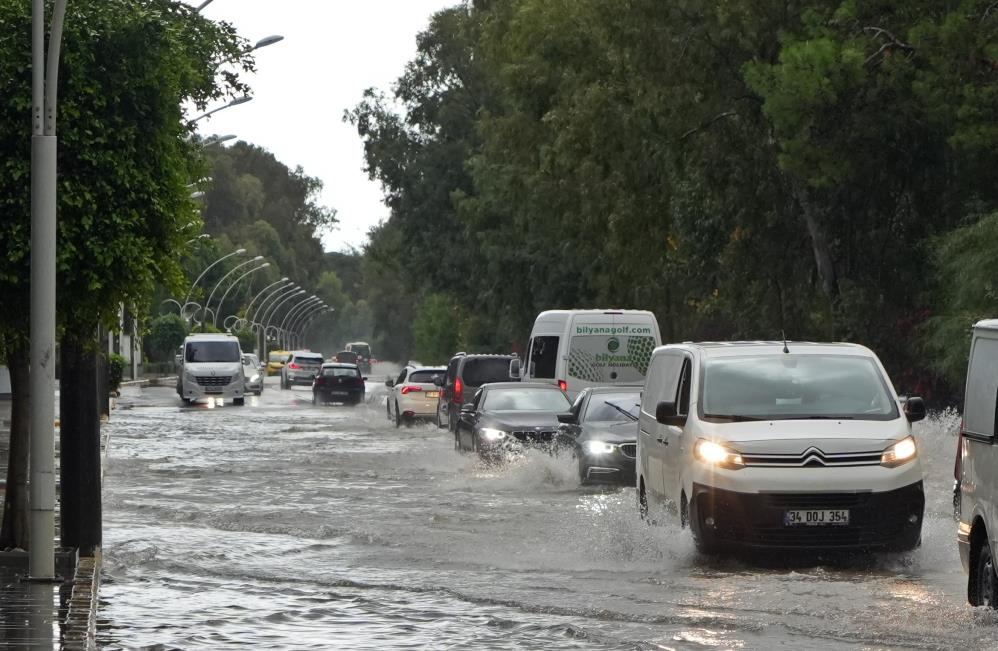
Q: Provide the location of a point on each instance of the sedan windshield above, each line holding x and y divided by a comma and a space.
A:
213, 351
796, 387
526, 400
613, 407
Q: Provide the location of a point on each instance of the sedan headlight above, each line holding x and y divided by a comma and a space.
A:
490, 434
716, 454
599, 447
900, 453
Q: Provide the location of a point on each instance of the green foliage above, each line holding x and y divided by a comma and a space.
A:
115, 368
740, 168
166, 334
435, 329
247, 339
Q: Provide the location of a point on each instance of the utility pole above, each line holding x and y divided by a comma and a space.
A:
44, 86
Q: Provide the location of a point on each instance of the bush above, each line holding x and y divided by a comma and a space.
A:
166, 334
115, 368
247, 340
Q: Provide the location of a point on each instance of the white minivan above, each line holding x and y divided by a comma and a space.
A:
211, 366
780, 446
977, 468
575, 349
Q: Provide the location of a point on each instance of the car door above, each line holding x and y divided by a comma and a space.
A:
397, 389
446, 391
467, 420
664, 386
675, 442
979, 481
649, 458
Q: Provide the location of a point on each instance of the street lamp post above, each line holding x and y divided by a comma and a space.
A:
206, 270
273, 310
207, 303
263, 291
44, 99
261, 340
294, 310
234, 283
235, 102
298, 324
305, 326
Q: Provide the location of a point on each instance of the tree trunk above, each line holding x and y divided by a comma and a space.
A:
14, 531
79, 444
815, 218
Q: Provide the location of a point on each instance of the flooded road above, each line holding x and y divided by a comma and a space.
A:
284, 525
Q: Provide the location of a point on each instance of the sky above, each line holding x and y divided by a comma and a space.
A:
332, 50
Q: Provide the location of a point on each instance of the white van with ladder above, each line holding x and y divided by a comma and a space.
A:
575, 349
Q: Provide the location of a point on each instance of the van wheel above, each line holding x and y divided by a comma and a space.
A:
983, 588
239, 402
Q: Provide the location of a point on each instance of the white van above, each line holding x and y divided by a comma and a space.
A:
780, 446
976, 498
575, 349
211, 367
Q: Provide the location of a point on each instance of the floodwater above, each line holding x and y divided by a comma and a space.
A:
289, 526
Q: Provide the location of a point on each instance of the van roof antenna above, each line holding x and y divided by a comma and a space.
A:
785, 349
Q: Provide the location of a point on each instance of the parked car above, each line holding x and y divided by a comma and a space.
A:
774, 445
253, 372
336, 382
211, 367
465, 373
603, 430
505, 417
300, 369
346, 357
414, 393
276, 361
363, 351
575, 349
976, 469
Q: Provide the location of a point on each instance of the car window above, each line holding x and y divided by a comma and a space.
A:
340, 371
452, 370
982, 387
401, 378
527, 399
662, 382
543, 360
425, 377
773, 387
683, 396
213, 351
279, 357
483, 370
577, 405
611, 407
308, 359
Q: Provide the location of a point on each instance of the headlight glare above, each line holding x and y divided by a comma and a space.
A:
716, 454
900, 453
599, 447
255, 378
490, 434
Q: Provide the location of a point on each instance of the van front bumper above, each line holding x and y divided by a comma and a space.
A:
878, 520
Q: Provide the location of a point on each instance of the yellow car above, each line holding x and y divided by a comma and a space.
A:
276, 361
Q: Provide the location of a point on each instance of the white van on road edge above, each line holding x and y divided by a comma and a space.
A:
780, 446
976, 469
576, 349
211, 366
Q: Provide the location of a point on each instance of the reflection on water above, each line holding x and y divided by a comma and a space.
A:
293, 526
31, 613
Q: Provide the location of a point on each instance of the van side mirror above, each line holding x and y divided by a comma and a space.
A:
468, 408
914, 409
665, 413
514, 368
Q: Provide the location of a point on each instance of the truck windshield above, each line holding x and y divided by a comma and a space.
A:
782, 387
213, 351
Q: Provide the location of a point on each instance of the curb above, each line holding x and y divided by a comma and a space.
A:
80, 625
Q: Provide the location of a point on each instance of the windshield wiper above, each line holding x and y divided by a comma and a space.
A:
735, 418
621, 410
815, 417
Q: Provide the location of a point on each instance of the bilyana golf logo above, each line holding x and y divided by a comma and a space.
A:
613, 344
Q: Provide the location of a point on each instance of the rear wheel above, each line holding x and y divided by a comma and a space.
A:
983, 582
239, 402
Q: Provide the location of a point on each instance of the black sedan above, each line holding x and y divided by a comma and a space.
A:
338, 383
505, 417
604, 431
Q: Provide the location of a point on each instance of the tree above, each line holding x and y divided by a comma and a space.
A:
166, 335
124, 164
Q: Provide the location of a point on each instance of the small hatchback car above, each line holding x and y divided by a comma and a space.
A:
770, 445
338, 383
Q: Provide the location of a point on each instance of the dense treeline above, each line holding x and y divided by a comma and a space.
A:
826, 169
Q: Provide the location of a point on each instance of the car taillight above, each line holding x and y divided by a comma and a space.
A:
410, 389
458, 390
563, 385
293, 365
958, 464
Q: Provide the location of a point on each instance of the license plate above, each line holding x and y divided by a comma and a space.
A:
213, 390
432, 394
338, 393
815, 517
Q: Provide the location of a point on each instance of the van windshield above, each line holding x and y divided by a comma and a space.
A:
791, 386
213, 351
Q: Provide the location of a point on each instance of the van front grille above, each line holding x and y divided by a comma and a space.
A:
213, 380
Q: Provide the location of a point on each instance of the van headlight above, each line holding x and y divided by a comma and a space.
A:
490, 434
715, 454
900, 453
255, 378
599, 447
